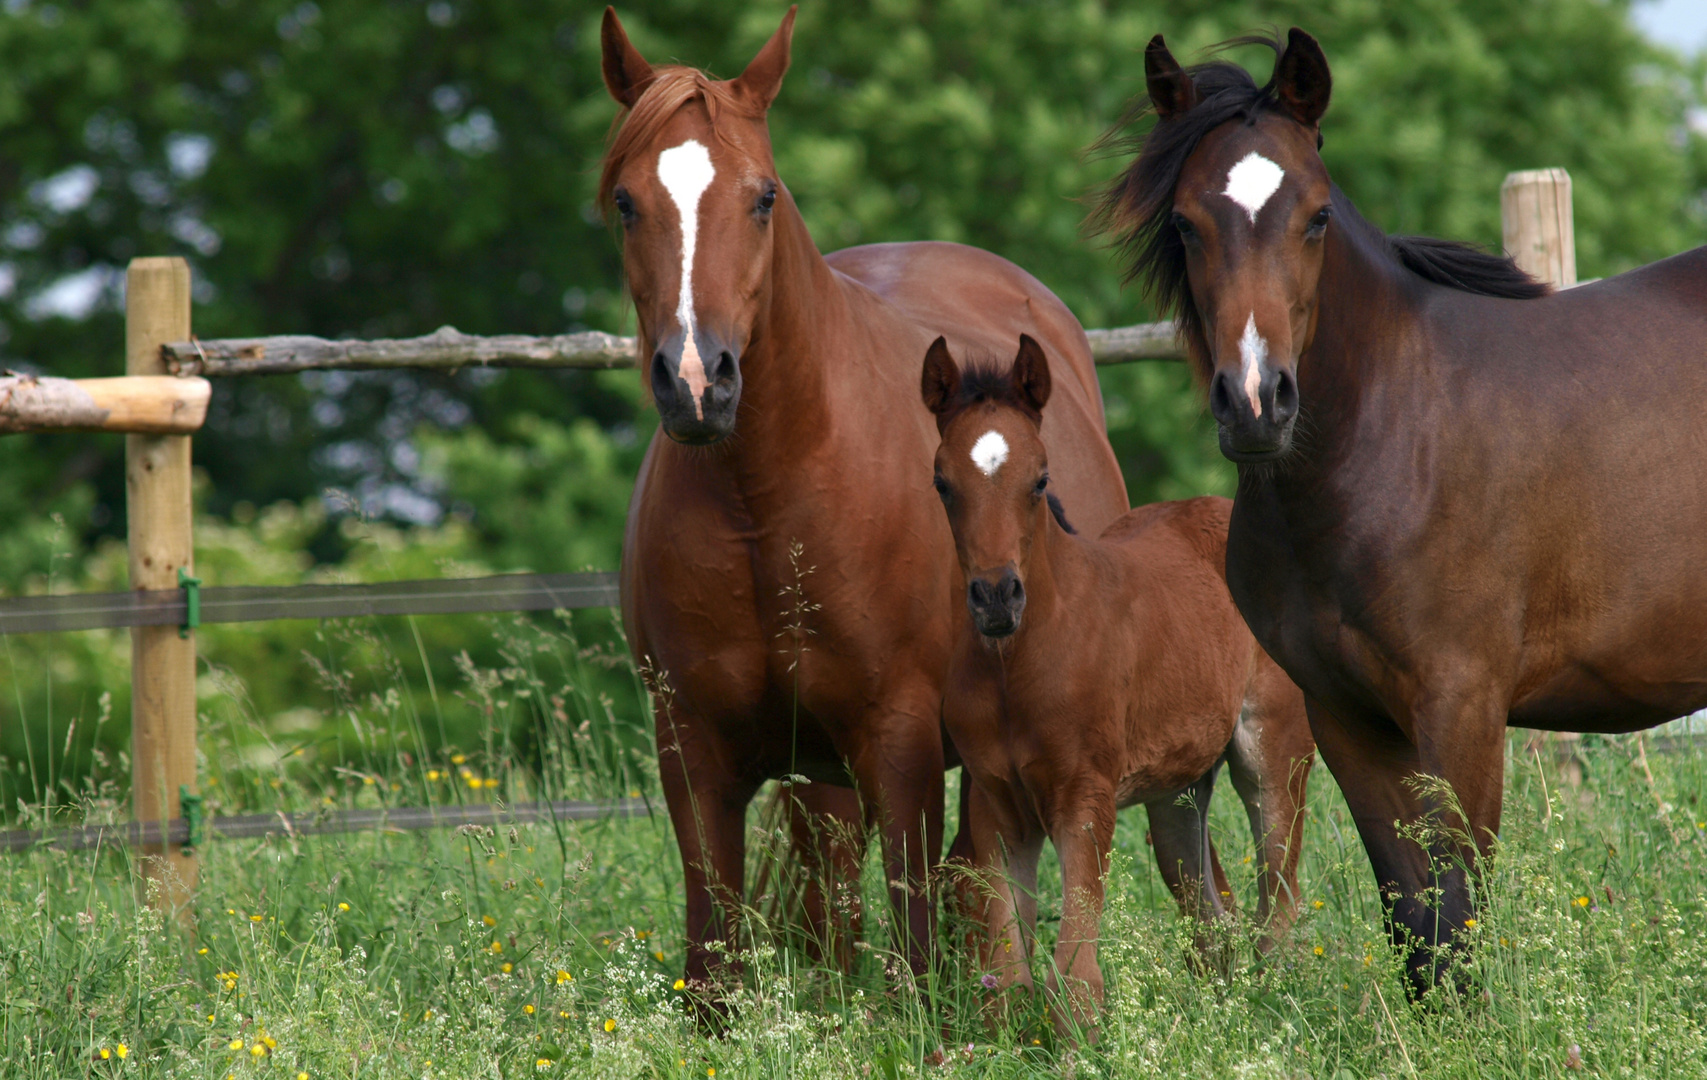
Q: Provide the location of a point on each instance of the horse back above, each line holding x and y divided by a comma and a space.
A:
982, 303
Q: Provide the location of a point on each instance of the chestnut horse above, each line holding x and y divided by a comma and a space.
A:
1095, 674
786, 573
1465, 501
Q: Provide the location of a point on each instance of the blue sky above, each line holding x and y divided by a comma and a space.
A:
1681, 24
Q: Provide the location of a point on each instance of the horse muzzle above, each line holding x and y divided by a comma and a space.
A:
1260, 429
996, 604
697, 389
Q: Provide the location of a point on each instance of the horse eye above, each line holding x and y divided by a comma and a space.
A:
1320, 221
624, 204
1183, 226
767, 200
941, 486
1037, 488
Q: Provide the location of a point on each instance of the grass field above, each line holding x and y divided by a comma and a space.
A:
553, 951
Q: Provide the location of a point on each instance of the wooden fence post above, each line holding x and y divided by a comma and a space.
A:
163, 662
1540, 235
1535, 212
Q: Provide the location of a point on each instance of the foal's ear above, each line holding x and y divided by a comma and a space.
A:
1301, 79
626, 71
1030, 376
763, 77
940, 381
1171, 89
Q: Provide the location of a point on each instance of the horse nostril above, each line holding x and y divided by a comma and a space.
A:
1221, 400
1015, 590
724, 370
978, 593
1285, 397
663, 381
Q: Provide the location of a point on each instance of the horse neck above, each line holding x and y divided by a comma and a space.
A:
1366, 310
784, 395
1058, 563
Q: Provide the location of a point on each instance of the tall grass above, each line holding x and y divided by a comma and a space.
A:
553, 949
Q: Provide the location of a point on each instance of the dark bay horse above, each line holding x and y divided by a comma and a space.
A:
787, 575
1093, 674
1465, 501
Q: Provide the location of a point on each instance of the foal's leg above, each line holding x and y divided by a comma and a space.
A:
1005, 851
1083, 833
708, 806
1269, 763
1181, 836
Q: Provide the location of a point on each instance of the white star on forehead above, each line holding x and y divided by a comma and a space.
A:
989, 452
1252, 181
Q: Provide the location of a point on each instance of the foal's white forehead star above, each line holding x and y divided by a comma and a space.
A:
989, 452
1252, 182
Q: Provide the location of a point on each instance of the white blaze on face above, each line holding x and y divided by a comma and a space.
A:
1253, 353
989, 452
685, 171
1252, 182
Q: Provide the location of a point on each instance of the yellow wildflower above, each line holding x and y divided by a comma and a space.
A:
659, 956
105, 1053
542, 1063
497, 947
563, 1013
257, 1050
342, 906
272, 1043
1317, 904
1581, 901
1318, 950
507, 968
433, 774
457, 759
256, 918
1469, 924
368, 780
610, 1025
528, 1009
301, 1076
563, 977
681, 984
489, 920
474, 783
236, 1044
202, 951
711, 1072
491, 781
642, 934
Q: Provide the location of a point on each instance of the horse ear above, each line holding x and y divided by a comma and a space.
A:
1030, 375
763, 77
626, 71
940, 381
1301, 79
1171, 89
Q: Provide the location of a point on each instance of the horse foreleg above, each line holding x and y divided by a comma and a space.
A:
1083, 832
1272, 753
708, 806
899, 770
1003, 890
827, 831
1376, 766
1179, 828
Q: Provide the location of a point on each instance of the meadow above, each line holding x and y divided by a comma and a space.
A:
555, 949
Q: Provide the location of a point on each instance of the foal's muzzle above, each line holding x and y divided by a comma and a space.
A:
1246, 436
996, 603
697, 395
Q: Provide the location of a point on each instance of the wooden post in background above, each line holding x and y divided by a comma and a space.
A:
163, 664
1535, 212
1541, 236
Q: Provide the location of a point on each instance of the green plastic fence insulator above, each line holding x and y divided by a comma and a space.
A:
192, 587
191, 807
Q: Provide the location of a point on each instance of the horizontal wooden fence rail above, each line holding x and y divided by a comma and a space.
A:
262, 603
316, 823
146, 404
449, 349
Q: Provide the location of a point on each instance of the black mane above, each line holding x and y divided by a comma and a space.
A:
1137, 207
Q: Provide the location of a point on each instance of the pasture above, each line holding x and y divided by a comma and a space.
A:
544, 950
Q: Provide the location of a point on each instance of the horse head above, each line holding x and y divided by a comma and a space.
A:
690, 175
992, 474
1226, 208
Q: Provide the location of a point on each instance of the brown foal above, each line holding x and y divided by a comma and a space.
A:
1094, 674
